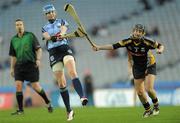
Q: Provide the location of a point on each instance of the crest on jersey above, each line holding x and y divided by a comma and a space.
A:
52, 58
136, 49
142, 49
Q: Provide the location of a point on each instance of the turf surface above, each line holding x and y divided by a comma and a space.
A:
168, 114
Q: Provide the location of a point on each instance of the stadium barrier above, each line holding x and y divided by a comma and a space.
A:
168, 94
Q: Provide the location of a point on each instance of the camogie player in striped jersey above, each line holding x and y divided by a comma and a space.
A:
143, 65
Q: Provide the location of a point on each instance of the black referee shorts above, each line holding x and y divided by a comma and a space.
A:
140, 72
26, 71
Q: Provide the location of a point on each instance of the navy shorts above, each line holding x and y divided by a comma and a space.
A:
57, 54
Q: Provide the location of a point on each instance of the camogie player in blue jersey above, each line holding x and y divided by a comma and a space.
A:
60, 56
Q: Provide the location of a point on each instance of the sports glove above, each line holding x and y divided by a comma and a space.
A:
56, 37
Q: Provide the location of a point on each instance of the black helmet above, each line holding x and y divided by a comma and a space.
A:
139, 27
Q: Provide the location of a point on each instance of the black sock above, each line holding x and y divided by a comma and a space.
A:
43, 95
19, 97
65, 96
147, 106
155, 102
78, 87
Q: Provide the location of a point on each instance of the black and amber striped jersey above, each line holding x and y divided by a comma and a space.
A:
150, 58
139, 49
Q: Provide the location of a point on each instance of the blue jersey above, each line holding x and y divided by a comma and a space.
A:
53, 29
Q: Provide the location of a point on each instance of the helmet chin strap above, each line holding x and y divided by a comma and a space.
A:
132, 36
51, 20
140, 37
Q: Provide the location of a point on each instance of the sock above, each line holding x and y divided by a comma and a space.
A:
19, 97
78, 87
65, 96
43, 95
147, 106
155, 102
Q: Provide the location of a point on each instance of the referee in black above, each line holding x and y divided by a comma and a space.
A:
25, 53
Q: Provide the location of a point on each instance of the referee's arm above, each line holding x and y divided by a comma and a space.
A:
12, 62
13, 59
38, 54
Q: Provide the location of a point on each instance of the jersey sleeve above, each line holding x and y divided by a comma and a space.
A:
152, 44
36, 44
12, 51
43, 30
64, 23
122, 43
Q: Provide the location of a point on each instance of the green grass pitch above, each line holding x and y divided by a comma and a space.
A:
168, 114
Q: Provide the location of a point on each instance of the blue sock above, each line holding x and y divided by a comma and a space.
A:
65, 96
78, 87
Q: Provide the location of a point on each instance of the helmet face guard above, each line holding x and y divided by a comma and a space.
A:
138, 28
48, 8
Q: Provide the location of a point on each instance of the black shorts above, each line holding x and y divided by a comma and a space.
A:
57, 54
27, 71
140, 72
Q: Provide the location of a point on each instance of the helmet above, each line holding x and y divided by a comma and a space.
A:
139, 27
48, 8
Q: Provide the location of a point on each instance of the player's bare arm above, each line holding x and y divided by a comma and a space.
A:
104, 47
114, 46
58, 36
130, 74
63, 32
158, 46
160, 49
46, 36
